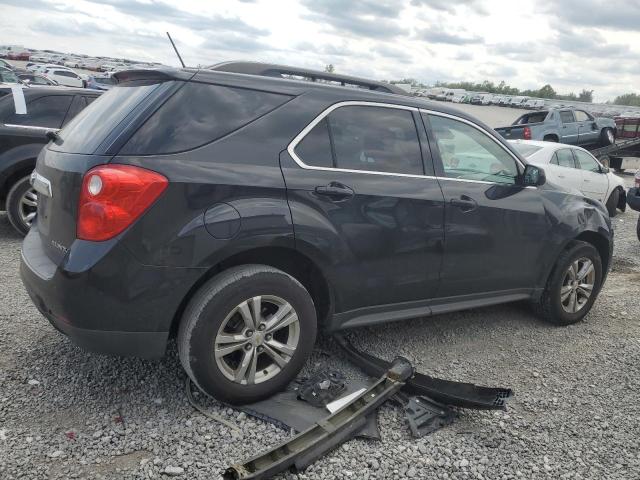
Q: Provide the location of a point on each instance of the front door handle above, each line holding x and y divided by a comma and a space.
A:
335, 191
464, 203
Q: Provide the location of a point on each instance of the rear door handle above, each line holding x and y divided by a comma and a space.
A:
464, 203
335, 191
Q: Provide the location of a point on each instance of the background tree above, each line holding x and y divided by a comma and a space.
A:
329, 68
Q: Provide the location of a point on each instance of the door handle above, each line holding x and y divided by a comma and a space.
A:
464, 203
335, 191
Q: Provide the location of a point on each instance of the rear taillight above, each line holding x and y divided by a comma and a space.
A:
113, 197
527, 133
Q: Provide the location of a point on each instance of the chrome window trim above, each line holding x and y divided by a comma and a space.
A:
298, 138
477, 127
31, 127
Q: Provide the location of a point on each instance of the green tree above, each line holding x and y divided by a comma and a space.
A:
631, 99
586, 96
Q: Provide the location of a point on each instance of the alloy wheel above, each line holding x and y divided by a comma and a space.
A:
577, 285
257, 339
28, 207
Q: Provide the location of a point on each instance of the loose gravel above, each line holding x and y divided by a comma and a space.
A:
65, 413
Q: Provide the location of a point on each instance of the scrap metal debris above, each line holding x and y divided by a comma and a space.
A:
306, 447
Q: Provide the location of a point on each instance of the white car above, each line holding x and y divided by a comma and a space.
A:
64, 77
574, 167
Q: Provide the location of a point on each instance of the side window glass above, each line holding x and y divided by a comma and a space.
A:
315, 147
469, 154
581, 116
566, 116
554, 159
565, 158
43, 112
376, 139
586, 161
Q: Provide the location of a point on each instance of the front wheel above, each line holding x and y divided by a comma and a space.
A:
612, 203
22, 204
247, 333
573, 285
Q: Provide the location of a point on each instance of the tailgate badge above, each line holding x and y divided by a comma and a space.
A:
40, 184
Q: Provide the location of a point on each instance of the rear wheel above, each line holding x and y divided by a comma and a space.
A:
247, 333
22, 204
612, 203
573, 285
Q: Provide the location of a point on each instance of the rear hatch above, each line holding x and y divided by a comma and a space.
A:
90, 139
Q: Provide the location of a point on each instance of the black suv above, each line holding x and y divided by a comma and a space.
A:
22, 136
244, 212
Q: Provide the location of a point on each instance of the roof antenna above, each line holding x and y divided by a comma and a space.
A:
177, 53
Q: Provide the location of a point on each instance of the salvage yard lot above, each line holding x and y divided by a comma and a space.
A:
65, 413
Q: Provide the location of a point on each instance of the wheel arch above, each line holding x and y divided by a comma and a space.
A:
289, 260
601, 244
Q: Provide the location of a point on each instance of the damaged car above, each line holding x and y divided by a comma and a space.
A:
241, 210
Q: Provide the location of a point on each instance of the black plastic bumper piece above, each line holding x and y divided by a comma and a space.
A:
306, 447
456, 394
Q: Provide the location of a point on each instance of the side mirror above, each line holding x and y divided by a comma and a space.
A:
604, 169
533, 176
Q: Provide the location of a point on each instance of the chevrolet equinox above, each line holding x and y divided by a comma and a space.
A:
241, 209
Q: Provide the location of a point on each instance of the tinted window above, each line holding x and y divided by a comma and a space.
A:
376, 139
586, 161
565, 158
315, 147
581, 116
43, 112
88, 129
467, 153
197, 114
567, 117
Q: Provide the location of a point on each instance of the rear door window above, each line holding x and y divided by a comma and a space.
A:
46, 111
198, 114
566, 116
367, 138
565, 158
315, 147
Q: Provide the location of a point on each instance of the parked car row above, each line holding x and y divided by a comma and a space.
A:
22, 136
36, 74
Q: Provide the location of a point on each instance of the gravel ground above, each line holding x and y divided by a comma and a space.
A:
65, 413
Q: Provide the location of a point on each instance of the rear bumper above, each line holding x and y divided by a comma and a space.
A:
106, 302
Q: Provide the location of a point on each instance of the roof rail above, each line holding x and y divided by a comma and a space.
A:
284, 71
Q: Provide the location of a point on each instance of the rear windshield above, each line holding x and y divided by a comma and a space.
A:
198, 114
90, 127
525, 149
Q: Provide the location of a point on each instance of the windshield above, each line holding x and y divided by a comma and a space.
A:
525, 149
91, 126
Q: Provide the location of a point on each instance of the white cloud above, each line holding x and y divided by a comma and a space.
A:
526, 46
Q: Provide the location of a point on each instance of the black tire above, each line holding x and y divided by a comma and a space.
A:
207, 312
604, 137
14, 197
551, 138
549, 306
612, 203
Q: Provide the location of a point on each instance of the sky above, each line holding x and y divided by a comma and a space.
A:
570, 44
